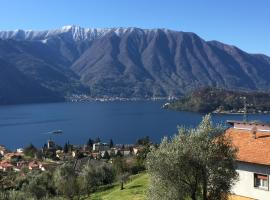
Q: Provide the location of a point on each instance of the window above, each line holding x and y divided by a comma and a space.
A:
261, 181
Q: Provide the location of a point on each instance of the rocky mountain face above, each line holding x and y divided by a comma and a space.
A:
127, 62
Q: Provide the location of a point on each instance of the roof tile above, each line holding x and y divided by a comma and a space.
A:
250, 149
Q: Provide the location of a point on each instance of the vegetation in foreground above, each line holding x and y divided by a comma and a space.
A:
135, 189
75, 177
197, 164
207, 100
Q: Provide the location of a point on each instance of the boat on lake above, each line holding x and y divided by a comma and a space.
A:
56, 132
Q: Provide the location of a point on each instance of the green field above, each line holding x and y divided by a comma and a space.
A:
135, 189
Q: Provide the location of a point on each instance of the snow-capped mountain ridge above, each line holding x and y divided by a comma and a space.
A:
76, 33
121, 62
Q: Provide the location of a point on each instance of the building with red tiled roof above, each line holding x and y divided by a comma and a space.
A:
13, 155
252, 139
6, 166
33, 165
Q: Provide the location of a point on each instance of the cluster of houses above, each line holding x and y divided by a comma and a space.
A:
99, 150
16, 161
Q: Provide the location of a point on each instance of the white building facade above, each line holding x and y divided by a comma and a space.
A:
253, 181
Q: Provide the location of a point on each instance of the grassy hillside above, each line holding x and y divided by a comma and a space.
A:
135, 189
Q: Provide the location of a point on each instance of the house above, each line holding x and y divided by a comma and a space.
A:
252, 139
20, 150
20, 165
43, 166
102, 153
74, 153
33, 165
60, 154
96, 155
51, 144
101, 146
138, 149
127, 151
10, 156
3, 150
6, 166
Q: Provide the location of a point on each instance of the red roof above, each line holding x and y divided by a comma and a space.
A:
9, 155
250, 149
33, 164
5, 164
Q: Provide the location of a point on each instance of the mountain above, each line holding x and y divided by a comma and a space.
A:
17, 88
130, 62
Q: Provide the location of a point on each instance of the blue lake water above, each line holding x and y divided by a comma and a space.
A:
124, 122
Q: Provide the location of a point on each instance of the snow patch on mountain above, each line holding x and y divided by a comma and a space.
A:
76, 33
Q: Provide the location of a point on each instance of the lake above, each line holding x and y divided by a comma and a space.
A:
124, 122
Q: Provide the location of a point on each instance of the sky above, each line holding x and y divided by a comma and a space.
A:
243, 23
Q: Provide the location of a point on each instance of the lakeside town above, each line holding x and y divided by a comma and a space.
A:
97, 164
87, 98
51, 154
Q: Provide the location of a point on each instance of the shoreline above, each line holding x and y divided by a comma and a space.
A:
240, 113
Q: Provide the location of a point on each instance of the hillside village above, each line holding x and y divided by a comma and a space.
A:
52, 155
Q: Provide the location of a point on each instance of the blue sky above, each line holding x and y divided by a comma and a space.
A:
244, 23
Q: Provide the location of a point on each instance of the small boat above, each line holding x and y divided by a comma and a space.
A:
57, 132
165, 105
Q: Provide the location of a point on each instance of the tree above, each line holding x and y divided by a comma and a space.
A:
30, 150
145, 141
142, 154
197, 163
66, 148
97, 140
65, 180
89, 179
90, 143
16, 195
107, 173
94, 175
121, 170
106, 155
119, 165
118, 154
39, 185
111, 143
123, 178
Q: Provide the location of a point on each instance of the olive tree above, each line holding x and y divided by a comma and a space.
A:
15, 195
94, 175
65, 181
196, 163
39, 184
89, 179
121, 170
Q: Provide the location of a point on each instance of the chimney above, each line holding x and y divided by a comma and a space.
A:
254, 130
